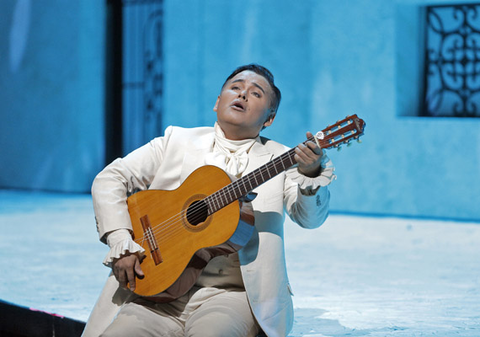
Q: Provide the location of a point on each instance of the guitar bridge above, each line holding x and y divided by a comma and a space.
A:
152, 242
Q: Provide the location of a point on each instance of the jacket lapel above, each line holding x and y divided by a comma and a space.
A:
194, 156
258, 156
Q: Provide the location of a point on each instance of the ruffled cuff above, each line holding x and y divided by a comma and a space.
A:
121, 243
310, 185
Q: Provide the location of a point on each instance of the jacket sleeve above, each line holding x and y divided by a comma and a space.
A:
306, 200
121, 178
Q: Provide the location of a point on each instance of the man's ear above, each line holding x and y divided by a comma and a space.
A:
215, 108
269, 120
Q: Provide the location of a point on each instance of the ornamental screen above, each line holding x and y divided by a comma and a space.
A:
452, 61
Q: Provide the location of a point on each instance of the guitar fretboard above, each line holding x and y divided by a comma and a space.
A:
248, 183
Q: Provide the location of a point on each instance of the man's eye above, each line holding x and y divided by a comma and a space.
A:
256, 94
235, 88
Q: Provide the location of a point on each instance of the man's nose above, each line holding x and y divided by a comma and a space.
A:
243, 94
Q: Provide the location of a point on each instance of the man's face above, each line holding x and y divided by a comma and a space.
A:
244, 106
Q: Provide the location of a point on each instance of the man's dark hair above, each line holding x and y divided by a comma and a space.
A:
264, 72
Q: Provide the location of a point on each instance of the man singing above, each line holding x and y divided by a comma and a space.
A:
240, 294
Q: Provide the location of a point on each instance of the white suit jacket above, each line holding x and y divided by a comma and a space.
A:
165, 163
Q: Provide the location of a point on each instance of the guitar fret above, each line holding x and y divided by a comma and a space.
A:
230, 194
221, 199
234, 190
244, 185
275, 167
256, 181
215, 203
290, 156
225, 199
268, 173
215, 200
262, 174
238, 192
211, 209
250, 182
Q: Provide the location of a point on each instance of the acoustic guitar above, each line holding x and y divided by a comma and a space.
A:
207, 216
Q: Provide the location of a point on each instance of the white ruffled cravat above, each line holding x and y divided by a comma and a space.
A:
229, 155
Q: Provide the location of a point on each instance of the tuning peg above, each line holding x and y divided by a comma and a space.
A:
349, 144
359, 140
339, 148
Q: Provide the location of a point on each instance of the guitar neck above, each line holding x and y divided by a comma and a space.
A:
249, 182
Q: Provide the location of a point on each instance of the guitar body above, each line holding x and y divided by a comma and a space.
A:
178, 235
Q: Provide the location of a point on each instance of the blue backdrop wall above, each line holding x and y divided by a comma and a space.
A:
330, 59
51, 89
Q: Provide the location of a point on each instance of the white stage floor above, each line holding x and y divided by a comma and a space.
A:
354, 276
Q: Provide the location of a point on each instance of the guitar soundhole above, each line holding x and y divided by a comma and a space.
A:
197, 212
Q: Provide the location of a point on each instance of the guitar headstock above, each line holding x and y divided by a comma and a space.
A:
342, 132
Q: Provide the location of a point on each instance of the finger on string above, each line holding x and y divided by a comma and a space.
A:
313, 146
300, 154
138, 268
131, 278
302, 161
121, 279
308, 152
310, 135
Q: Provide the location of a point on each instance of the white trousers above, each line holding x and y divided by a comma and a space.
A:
201, 312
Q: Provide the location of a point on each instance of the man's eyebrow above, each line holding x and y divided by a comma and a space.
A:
255, 84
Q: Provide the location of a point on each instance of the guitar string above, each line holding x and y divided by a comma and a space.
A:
217, 197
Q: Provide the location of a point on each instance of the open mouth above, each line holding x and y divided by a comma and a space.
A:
238, 105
